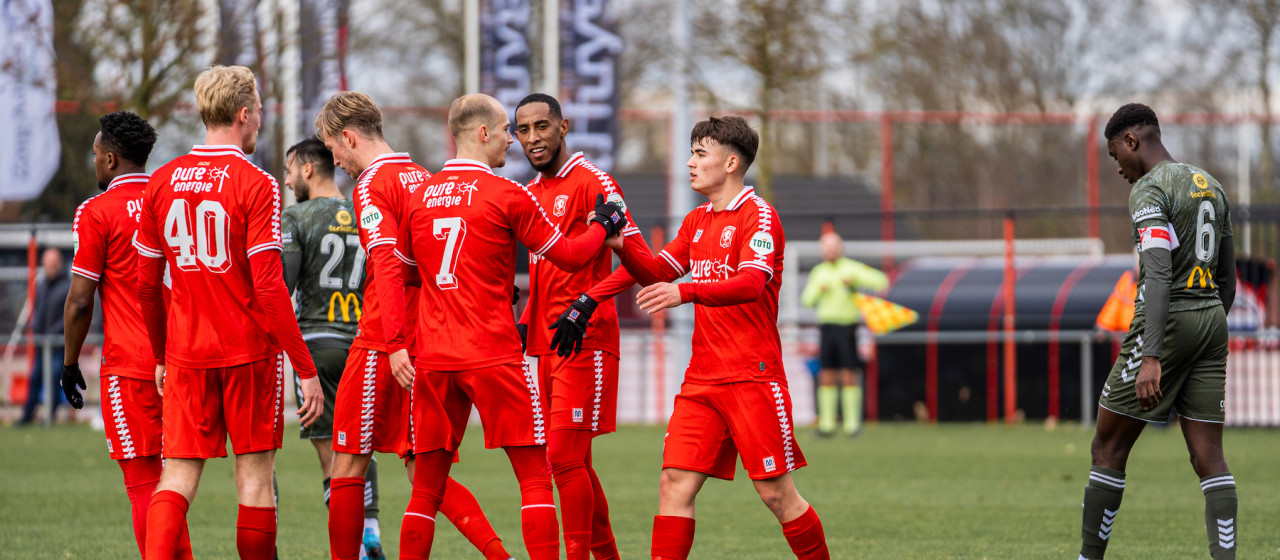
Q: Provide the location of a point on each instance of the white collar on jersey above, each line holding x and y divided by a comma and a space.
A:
129, 178
737, 201
574, 160
399, 157
218, 150
459, 164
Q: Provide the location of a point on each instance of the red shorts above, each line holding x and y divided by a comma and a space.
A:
506, 397
580, 392
371, 411
203, 406
131, 412
713, 424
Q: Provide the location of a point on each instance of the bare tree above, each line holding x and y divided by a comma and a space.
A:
148, 52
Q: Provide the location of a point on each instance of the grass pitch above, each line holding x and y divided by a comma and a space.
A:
901, 491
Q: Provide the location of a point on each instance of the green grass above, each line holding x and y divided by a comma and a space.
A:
901, 491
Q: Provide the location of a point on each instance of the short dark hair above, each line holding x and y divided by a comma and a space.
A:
731, 131
542, 98
1130, 116
129, 135
313, 151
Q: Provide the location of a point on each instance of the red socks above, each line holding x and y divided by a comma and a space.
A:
672, 537
140, 478
418, 529
603, 545
166, 525
805, 536
346, 516
461, 508
567, 452
538, 520
256, 533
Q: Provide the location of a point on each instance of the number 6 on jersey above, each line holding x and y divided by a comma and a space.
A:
452, 231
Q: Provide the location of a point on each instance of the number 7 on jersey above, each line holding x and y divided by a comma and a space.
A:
452, 231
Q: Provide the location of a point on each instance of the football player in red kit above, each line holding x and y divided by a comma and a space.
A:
579, 390
462, 226
734, 400
214, 218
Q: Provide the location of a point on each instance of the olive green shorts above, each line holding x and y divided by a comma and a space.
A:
330, 358
1193, 369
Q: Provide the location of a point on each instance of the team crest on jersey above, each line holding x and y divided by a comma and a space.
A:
726, 236
343, 217
697, 235
562, 202
761, 243
1200, 181
370, 217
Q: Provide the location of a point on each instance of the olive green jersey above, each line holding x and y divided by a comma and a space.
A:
1182, 208
330, 287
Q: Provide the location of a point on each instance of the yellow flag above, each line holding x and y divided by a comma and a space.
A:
882, 316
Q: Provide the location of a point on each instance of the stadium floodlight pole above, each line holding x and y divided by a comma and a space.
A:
551, 47
1242, 174
471, 49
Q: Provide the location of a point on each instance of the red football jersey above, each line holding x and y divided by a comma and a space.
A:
103, 238
569, 196
462, 227
205, 213
379, 198
736, 342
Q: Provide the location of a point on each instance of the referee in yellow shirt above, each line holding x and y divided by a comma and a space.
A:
831, 287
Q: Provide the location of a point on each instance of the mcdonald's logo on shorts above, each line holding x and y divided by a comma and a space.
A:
347, 303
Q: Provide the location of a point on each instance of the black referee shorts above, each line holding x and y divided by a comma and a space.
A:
838, 347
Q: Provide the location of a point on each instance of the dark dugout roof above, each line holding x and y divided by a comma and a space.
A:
966, 293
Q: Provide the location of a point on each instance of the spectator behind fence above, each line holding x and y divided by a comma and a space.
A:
831, 289
46, 320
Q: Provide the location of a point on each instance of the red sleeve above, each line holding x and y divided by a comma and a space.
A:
151, 278
388, 280
150, 294
744, 287
263, 216
268, 288
89, 244
610, 287
648, 268
572, 254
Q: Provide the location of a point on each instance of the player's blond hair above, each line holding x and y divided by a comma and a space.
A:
472, 111
349, 109
220, 93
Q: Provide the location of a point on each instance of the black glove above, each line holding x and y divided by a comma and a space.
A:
523, 330
572, 325
515, 294
610, 216
71, 378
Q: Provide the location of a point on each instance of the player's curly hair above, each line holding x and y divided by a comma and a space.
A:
732, 132
1130, 116
129, 135
551, 102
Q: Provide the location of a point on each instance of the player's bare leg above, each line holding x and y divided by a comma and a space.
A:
673, 526
256, 522
167, 514
1204, 444
1112, 443
800, 524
